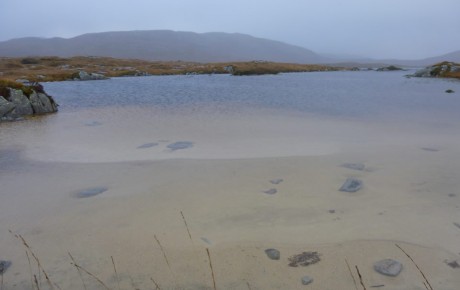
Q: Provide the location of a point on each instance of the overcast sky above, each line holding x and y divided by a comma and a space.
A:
404, 29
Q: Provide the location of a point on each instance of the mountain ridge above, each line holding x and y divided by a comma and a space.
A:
162, 45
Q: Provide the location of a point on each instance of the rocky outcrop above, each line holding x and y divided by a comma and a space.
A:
443, 69
19, 100
389, 68
84, 76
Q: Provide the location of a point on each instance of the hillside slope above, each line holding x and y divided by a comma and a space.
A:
162, 45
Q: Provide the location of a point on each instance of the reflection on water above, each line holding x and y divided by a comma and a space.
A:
249, 163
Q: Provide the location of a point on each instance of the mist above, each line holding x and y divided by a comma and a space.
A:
383, 29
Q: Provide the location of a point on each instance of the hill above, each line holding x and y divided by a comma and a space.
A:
162, 45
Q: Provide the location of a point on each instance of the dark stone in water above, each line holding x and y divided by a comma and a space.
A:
147, 145
388, 267
273, 254
93, 124
453, 264
457, 225
332, 211
4, 265
206, 240
276, 181
306, 280
271, 191
304, 259
90, 192
180, 145
430, 149
351, 185
449, 91
354, 166
452, 195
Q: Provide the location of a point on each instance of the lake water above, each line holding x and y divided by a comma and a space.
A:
124, 159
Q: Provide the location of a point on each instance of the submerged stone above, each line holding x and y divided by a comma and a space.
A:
147, 145
273, 254
93, 124
388, 267
90, 192
276, 181
354, 166
306, 280
271, 191
180, 145
4, 265
351, 185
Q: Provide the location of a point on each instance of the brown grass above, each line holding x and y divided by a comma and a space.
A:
59, 69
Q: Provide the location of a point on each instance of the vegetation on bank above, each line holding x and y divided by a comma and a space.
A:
26, 89
43, 69
446, 70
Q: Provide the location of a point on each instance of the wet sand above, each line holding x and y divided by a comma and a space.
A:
409, 198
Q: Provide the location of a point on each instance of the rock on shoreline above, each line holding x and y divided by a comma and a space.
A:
18, 100
443, 69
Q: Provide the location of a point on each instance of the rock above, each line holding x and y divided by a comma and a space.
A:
206, 240
452, 195
422, 73
4, 265
388, 267
276, 181
304, 259
354, 166
28, 100
271, 191
457, 225
5, 107
444, 69
41, 103
93, 124
449, 91
273, 254
84, 76
453, 264
332, 211
429, 149
21, 103
180, 145
147, 145
351, 185
306, 280
90, 192
389, 68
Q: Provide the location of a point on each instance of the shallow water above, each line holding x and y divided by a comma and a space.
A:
208, 148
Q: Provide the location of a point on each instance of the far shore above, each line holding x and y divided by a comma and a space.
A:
35, 69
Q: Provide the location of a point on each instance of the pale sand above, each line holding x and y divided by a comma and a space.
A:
406, 200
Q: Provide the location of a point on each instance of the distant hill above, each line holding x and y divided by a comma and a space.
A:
452, 57
162, 45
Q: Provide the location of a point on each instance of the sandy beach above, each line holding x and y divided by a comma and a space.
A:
277, 189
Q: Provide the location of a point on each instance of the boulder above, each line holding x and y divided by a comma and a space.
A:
21, 103
443, 69
5, 107
351, 185
24, 101
84, 76
41, 103
388, 267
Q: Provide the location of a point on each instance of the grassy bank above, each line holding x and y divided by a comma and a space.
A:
59, 69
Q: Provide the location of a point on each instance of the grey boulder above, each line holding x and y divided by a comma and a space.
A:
388, 267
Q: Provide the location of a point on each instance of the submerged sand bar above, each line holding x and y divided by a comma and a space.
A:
207, 194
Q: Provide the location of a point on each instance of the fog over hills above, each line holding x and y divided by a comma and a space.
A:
168, 45
162, 45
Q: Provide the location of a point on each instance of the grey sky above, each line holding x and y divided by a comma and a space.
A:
408, 29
